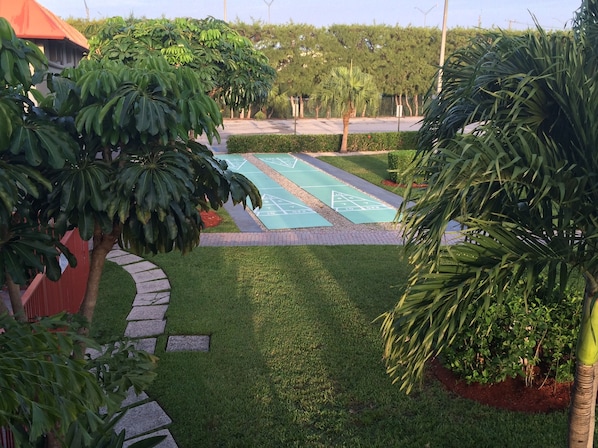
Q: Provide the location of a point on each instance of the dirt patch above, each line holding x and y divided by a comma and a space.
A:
210, 218
512, 394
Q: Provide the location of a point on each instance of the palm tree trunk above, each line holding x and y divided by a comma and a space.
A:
583, 396
102, 245
583, 406
346, 116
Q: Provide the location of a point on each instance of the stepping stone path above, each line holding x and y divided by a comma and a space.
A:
143, 417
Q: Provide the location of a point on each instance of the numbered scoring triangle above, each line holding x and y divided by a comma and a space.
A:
275, 206
344, 202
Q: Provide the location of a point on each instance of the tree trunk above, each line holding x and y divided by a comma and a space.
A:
583, 406
301, 107
14, 293
582, 413
408, 106
102, 245
346, 117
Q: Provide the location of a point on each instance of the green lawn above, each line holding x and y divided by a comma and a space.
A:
295, 356
371, 167
226, 226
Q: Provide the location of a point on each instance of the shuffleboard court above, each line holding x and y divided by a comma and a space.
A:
357, 206
280, 209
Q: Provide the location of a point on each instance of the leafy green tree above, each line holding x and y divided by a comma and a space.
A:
29, 142
347, 90
522, 187
46, 392
138, 179
230, 70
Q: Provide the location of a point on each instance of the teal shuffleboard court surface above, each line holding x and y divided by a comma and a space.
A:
357, 206
280, 209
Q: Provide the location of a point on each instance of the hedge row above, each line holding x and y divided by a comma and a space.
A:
283, 143
398, 161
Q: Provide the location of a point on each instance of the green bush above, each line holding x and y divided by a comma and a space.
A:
398, 162
519, 338
283, 143
259, 116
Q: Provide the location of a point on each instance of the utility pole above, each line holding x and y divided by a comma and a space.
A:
425, 13
442, 46
225, 10
269, 4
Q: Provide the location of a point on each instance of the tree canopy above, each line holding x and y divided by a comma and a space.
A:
230, 70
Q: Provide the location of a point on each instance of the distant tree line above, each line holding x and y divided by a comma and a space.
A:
402, 60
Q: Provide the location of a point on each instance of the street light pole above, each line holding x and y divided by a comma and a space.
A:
269, 4
442, 46
225, 10
425, 13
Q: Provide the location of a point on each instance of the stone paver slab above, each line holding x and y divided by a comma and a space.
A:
147, 345
152, 312
153, 286
142, 419
146, 276
115, 253
126, 259
145, 328
188, 343
138, 267
168, 442
152, 298
133, 398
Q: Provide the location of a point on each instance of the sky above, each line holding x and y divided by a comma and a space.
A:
506, 14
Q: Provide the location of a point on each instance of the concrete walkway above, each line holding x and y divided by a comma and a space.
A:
144, 417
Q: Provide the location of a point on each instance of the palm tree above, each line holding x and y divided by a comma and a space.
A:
347, 90
523, 187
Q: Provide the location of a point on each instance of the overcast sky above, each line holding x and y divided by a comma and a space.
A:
514, 14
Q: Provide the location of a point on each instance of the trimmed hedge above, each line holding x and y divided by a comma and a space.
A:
283, 143
398, 161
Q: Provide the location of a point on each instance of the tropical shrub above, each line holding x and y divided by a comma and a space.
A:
519, 338
259, 115
398, 163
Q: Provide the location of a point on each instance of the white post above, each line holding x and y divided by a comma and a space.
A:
442, 46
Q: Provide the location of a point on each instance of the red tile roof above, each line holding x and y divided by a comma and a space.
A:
31, 20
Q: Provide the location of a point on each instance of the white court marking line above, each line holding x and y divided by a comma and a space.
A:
275, 206
351, 203
233, 163
281, 161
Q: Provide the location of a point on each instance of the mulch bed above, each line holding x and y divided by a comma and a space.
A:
512, 394
210, 218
